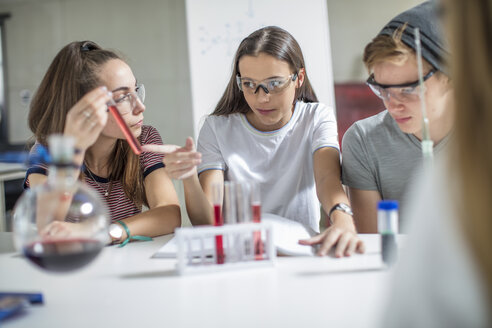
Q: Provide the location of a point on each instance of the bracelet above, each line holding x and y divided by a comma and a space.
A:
129, 236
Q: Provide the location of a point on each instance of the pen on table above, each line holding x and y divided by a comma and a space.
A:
33, 298
12, 303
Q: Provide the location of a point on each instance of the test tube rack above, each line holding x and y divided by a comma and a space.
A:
197, 252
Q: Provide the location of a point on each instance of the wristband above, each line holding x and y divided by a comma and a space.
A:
129, 236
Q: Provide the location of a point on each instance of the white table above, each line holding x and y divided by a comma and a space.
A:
124, 287
8, 171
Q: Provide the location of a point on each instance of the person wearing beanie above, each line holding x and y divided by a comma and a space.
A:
381, 153
443, 277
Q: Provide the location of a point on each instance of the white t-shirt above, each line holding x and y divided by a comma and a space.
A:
281, 161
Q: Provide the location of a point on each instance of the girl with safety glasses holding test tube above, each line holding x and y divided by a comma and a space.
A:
73, 99
269, 128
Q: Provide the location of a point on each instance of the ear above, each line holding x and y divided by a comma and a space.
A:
445, 81
300, 77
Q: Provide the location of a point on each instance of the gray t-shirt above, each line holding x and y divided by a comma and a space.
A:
377, 155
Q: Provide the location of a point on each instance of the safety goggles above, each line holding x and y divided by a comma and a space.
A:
272, 85
405, 92
128, 101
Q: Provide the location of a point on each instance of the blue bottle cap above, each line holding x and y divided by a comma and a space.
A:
388, 205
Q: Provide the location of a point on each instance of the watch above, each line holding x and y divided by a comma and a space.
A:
115, 231
340, 207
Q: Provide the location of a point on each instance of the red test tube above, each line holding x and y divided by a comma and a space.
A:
132, 141
218, 221
256, 211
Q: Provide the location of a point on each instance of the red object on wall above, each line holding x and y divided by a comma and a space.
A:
354, 101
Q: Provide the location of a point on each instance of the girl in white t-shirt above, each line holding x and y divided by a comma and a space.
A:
268, 127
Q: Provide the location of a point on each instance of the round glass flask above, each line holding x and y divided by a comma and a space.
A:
62, 224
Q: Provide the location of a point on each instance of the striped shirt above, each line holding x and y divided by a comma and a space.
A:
119, 205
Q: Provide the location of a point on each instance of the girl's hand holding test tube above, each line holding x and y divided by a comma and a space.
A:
180, 162
87, 118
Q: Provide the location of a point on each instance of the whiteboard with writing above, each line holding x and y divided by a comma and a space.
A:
216, 27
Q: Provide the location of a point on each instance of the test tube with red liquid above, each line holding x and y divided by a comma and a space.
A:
218, 221
256, 213
132, 141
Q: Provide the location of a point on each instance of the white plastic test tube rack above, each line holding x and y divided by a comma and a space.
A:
197, 252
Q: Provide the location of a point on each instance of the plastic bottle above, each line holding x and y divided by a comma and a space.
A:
388, 229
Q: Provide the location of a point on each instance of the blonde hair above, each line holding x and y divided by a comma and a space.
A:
471, 160
385, 48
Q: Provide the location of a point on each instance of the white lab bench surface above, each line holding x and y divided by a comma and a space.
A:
125, 287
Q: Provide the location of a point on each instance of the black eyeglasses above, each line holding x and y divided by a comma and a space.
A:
404, 92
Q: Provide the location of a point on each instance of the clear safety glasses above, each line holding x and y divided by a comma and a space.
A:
128, 101
273, 85
406, 92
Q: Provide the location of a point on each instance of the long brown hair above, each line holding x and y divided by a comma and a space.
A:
74, 72
276, 42
470, 30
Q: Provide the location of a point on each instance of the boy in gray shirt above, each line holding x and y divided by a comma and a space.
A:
381, 153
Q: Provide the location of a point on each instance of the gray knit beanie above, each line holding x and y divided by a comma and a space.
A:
424, 16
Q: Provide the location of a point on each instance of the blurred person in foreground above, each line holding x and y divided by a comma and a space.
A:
444, 278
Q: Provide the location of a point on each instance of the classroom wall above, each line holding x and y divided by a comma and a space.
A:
150, 33
152, 36
353, 23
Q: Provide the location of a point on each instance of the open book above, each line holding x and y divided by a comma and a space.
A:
286, 234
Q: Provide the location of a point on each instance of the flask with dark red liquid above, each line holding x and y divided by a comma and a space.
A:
61, 225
